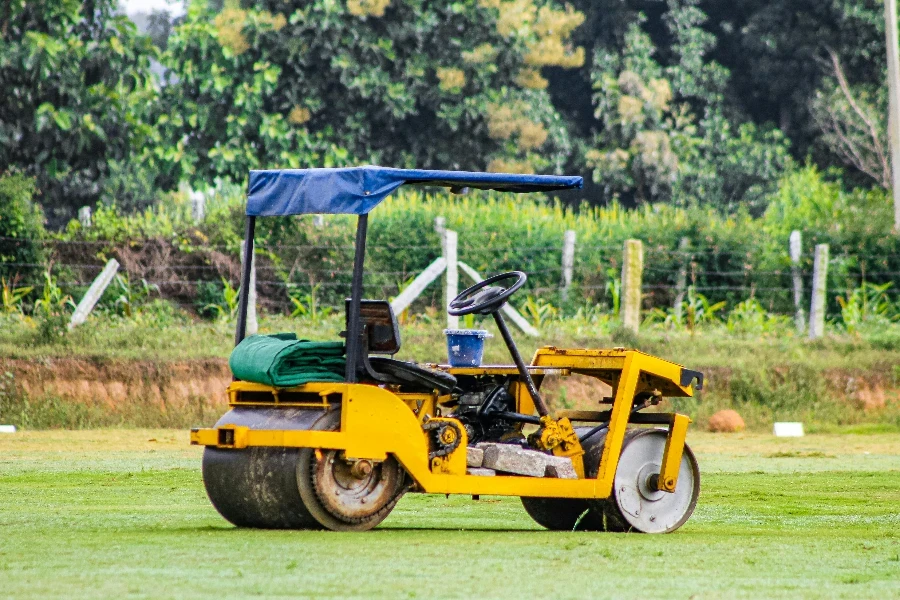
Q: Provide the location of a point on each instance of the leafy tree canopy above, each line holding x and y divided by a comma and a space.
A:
75, 91
401, 82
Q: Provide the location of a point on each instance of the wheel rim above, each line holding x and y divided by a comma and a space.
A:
642, 507
354, 491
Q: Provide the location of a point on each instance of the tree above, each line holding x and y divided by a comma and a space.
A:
664, 132
75, 90
399, 82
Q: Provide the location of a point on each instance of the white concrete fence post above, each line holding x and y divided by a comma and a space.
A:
681, 283
796, 249
817, 305
94, 293
252, 323
440, 226
449, 244
84, 216
198, 206
632, 272
568, 263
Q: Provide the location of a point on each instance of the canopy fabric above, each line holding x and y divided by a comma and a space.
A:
357, 190
281, 360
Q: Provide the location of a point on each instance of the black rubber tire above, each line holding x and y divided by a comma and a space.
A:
562, 514
307, 489
604, 510
257, 487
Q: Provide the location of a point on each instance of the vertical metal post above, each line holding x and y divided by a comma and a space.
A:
796, 249
632, 272
681, 284
252, 325
450, 247
356, 292
568, 263
244, 294
817, 306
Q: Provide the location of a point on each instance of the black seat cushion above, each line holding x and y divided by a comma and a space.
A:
414, 375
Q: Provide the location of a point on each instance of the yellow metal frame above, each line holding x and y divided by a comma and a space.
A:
376, 422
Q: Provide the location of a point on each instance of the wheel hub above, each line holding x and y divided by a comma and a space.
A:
352, 490
641, 505
647, 480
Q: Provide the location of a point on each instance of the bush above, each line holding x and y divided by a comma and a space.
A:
21, 229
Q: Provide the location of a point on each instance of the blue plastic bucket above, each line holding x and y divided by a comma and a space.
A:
465, 347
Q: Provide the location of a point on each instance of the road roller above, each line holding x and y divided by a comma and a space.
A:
338, 450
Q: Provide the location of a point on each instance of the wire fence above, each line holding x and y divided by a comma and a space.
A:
194, 276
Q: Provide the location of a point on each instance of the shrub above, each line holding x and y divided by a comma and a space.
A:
21, 229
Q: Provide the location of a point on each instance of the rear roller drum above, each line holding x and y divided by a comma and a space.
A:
635, 504
257, 487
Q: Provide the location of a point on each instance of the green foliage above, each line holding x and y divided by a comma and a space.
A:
130, 297
538, 311
652, 145
751, 318
75, 92
727, 258
695, 311
21, 228
51, 311
13, 297
225, 307
324, 83
305, 305
869, 304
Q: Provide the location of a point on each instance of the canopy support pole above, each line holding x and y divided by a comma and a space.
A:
356, 292
244, 297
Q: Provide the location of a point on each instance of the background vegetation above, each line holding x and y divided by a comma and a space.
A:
728, 128
676, 102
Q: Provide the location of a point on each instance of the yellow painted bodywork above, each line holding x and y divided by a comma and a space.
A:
376, 422
668, 476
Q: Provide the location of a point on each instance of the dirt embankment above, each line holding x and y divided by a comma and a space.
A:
160, 393
112, 383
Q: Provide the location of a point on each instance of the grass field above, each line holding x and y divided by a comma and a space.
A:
123, 514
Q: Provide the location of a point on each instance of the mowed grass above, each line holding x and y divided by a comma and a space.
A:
123, 513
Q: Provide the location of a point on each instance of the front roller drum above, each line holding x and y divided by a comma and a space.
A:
636, 504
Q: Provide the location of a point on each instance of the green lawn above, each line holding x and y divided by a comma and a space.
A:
122, 513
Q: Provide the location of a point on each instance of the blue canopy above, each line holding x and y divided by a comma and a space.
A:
357, 190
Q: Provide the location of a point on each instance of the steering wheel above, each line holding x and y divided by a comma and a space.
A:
484, 298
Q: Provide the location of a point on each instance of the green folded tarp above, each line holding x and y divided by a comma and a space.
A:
282, 360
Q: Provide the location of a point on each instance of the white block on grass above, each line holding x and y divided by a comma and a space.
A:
788, 429
7, 428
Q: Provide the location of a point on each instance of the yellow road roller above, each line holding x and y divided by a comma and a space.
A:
308, 445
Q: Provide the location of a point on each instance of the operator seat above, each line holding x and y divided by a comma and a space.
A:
380, 335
